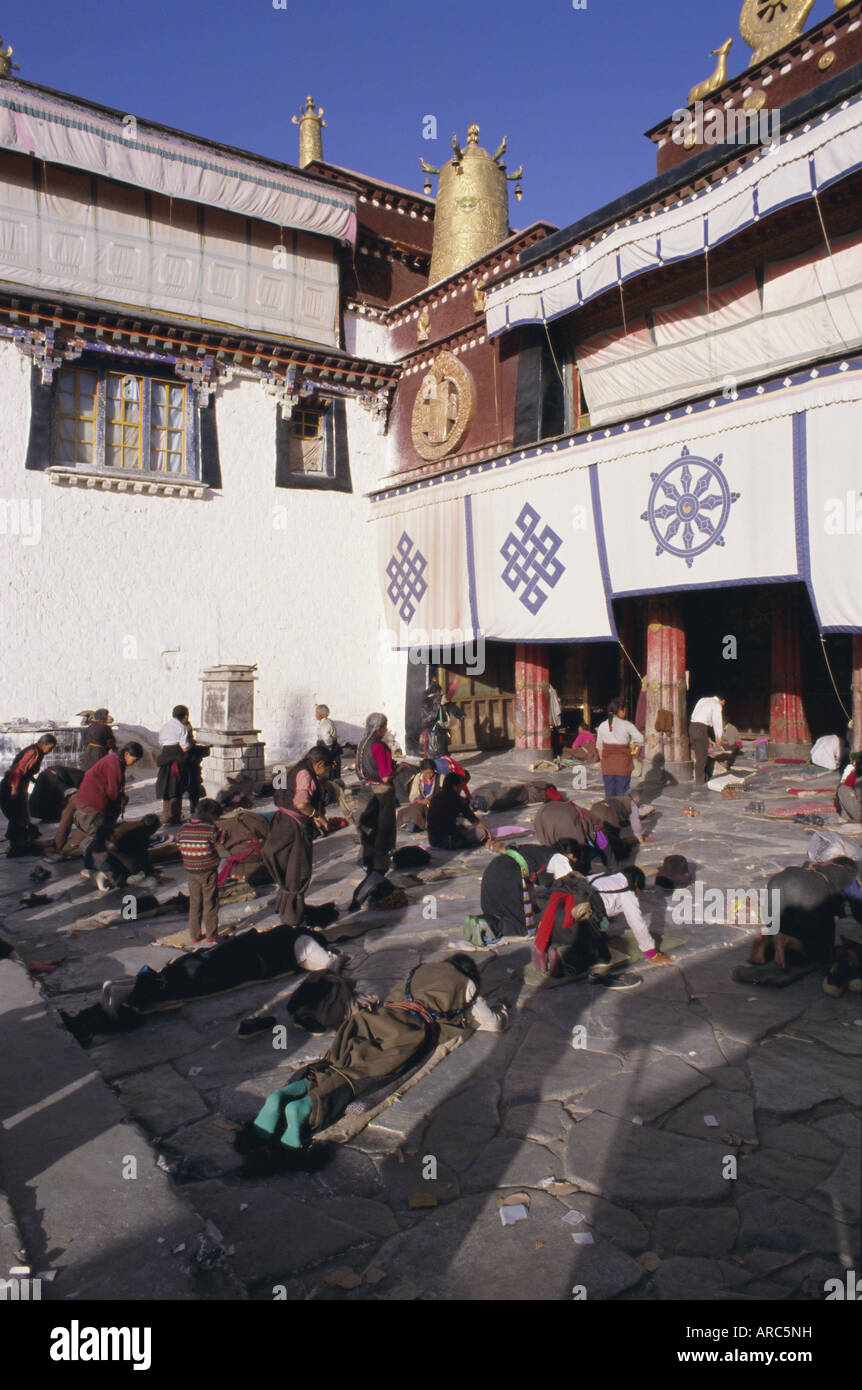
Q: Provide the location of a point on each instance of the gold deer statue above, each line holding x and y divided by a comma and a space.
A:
6, 64
718, 78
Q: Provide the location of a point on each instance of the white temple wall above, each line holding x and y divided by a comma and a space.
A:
121, 600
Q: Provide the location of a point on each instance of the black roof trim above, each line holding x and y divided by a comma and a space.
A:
830, 93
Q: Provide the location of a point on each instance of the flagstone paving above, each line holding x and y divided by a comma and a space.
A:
630, 1192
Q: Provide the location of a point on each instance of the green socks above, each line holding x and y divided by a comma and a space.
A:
295, 1115
266, 1121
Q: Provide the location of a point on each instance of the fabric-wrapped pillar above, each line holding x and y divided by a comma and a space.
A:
857, 692
532, 723
665, 687
789, 735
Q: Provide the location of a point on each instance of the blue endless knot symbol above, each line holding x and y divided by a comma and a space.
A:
405, 571
531, 560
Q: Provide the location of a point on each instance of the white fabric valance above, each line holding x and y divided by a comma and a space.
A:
794, 168
62, 132
533, 547
99, 244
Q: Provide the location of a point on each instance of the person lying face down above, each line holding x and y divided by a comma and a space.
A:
241, 959
379, 1045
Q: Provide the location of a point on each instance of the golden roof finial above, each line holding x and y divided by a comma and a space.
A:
6, 64
718, 78
767, 25
310, 124
472, 214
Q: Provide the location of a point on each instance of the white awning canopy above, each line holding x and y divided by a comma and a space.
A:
795, 168
62, 131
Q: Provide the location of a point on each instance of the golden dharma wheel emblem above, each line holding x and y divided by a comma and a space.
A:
767, 25
690, 140
826, 61
443, 408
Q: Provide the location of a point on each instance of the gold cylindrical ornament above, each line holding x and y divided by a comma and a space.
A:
472, 212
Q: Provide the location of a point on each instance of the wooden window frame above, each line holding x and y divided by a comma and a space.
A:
103, 370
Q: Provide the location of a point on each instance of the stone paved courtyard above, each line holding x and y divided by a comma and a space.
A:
628, 1186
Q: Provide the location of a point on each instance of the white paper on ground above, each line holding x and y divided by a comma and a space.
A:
509, 1215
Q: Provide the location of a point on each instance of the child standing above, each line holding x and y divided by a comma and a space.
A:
197, 843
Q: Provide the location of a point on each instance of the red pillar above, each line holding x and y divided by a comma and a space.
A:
532, 726
789, 735
665, 684
857, 692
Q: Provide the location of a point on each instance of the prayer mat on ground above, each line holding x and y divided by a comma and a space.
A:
350, 1125
146, 906
624, 941
236, 891
537, 979
800, 808
810, 791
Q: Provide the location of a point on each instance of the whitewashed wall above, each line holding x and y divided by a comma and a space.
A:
119, 600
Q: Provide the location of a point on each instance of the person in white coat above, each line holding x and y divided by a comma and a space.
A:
706, 715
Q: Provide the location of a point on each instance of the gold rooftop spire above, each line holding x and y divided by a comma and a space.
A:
310, 124
6, 64
472, 213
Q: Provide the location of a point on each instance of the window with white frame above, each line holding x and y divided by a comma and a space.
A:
109, 418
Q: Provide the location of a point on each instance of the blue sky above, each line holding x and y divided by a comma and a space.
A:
574, 90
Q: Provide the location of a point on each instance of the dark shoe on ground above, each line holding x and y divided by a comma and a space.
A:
253, 1027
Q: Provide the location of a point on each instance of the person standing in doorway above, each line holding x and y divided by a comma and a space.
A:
438, 713
614, 741
555, 722
706, 715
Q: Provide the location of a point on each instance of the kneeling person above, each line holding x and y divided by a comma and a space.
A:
449, 806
